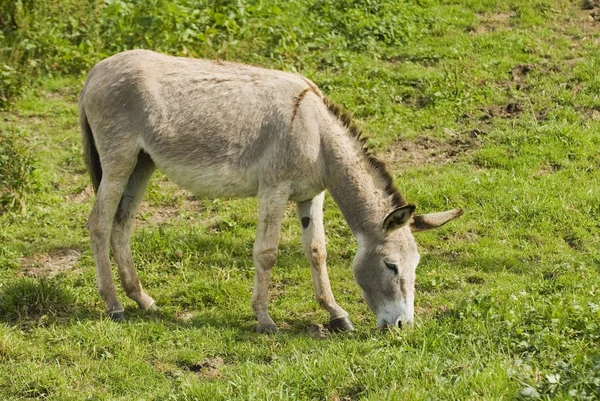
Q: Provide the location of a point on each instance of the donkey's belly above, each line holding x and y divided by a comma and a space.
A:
213, 182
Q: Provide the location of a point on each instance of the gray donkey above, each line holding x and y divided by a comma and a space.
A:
221, 129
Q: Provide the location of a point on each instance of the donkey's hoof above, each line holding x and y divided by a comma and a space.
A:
152, 307
341, 324
117, 316
267, 329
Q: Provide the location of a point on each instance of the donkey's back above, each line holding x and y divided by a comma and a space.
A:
217, 129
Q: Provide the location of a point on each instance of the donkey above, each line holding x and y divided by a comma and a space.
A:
221, 129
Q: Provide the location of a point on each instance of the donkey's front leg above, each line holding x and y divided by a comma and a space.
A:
310, 214
271, 209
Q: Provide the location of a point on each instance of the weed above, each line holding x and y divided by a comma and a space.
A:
16, 170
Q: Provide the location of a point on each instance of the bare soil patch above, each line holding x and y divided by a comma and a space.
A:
149, 213
208, 368
317, 331
424, 150
519, 73
469, 236
492, 22
590, 113
81, 197
50, 264
510, 110
548, 169
185, 316
156, 215
276, 291
429, 310
152, 214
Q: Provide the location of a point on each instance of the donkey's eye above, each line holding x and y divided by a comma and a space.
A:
391, 266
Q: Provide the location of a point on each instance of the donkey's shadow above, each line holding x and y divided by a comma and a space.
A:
241, 325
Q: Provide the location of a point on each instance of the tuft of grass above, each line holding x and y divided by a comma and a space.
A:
28, 299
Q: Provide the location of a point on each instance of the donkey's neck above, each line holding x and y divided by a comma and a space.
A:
355, 186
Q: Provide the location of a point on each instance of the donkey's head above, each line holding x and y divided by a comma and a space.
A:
385, 264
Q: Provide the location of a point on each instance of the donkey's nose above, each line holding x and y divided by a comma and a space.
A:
399, 324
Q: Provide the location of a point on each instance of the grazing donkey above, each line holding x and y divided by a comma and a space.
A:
230, 130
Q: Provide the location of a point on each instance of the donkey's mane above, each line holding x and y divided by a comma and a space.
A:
377, 165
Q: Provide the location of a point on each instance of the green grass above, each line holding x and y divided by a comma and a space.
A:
505, 92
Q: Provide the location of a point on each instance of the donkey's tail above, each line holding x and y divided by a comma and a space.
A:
92, 158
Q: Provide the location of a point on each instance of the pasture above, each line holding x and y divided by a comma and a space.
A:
489, 106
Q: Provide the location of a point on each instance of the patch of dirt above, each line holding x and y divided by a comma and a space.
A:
156, 215
594, 15
276, 291
492, 22
424, 150
591, 113
519, 72
468, 236
511, 110
81, 197
427, 310
165, 369
575, 61
336, 397
150, 214
49, 264
548, 169
589, 18
185, 316
317, 331
209, 368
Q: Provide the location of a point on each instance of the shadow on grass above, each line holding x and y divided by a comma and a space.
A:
215, 318
240, 325
207, 307
27, 302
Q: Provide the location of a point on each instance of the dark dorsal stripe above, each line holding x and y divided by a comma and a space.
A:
378, 166
299, 98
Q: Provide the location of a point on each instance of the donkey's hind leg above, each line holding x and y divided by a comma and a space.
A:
115, 174
270, 213
310, 214
122, 227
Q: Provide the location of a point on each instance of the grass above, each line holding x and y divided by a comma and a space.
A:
488, 106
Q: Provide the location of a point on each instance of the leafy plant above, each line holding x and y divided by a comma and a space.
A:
16, 170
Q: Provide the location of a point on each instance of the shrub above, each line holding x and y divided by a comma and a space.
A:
12, 83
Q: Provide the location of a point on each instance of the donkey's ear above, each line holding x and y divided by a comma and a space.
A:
433, 220
398, 218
